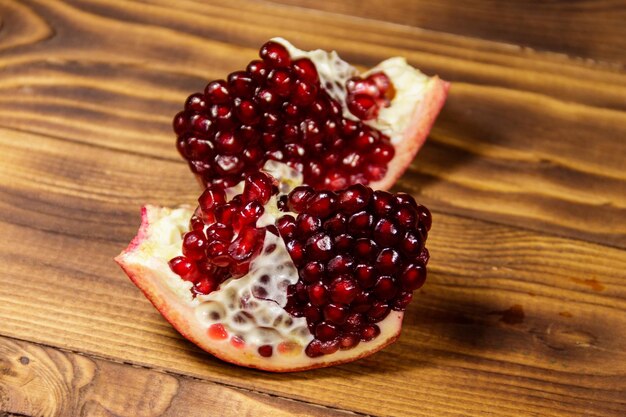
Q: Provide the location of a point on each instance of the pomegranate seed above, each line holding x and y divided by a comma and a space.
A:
196, 103
194, 245
217, 92
425, 217
319, 247
385, 288
184, 268
241, 84
267, 99
378, 312
386, 233
360, 224
354, 198
343, 290
305, 70
312, 272
265, 351
250, 213
412, 244
304, 94
363, 106
413, 276
275, 55
358, 86
388, 261
314, 349
180, 124
381, 81
330, 347
382, 153
335, 313
298, 198
219, 231
257, 70
344, 242
296, 251
312, 313
383, 203
204, 287
280, 82
217, 253
321, 203
370, 332
365, 275
402, 301
260, 187
325, 331
339, 265
317, 294
286, 226
366, 249
306, 225
196, 223
348, 341
247, 112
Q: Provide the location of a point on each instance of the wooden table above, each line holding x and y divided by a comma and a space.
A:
524, 313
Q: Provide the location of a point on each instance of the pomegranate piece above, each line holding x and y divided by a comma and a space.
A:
336, 127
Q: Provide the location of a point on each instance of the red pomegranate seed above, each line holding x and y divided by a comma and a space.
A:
247, 112
319, 247
217, 92
305, 70
403, 300
413, 276
317, 294
335, 313
241, 84
184, 268
343, 290
314, 349
339, 265
362, 106
336, 224
306, 224
304, 94
312, 272
257, 70
386, 233
312, 313
378, 312
369, 332
365, 249
360, 224
344, 242
388, 261
296, 251
275, 55
383, 203
354, 198
365, 275
265, 351
196, 103
321, 203
412, 244
425, 217
298, 198
286, 226
385, 288
219, 231
260, 187
280, 82
326, 331
180, 124
348, 341
194, 245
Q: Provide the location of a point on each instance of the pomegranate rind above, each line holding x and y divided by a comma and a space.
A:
415, 134
149, 275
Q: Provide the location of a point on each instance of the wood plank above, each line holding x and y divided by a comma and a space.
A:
511, 322
588, 29
41, 381
527, 139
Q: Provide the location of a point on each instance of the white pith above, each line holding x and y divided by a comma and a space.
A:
409, 83
249, 308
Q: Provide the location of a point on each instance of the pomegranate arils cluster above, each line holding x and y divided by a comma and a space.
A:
360, 254
224, 238
277, 110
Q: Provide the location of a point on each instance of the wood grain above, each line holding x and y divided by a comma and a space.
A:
588, 29
523, 322
525, 138
38, 381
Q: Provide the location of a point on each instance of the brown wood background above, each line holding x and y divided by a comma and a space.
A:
524, 310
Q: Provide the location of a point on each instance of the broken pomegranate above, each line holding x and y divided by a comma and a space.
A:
295, 257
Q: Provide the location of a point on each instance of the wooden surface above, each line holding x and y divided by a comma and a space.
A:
524, 310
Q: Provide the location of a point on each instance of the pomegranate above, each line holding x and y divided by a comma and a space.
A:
295, 257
